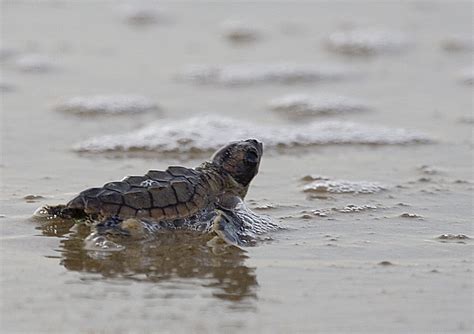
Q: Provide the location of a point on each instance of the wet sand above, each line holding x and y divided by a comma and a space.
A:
343, 262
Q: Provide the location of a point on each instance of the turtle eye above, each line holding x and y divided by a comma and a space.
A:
251, 158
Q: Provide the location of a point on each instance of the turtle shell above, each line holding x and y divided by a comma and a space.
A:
176, 193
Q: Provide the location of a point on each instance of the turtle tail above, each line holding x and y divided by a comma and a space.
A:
59, 211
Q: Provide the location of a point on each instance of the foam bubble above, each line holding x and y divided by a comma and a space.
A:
239, 31
43, 212
307, 105
107, 104
343, 186
207, 133
351, 208
34, 62
242, 74
366, 42
411, 215
431, 170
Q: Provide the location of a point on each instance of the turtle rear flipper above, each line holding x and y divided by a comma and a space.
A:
59, 211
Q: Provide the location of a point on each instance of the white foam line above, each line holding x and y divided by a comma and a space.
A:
208, 133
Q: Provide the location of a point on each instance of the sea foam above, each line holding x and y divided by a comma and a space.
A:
244, 74
207, 133
343, 186
366, 41
35, 63
107, 104
307, 105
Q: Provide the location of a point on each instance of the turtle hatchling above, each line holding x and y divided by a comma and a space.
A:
208, 198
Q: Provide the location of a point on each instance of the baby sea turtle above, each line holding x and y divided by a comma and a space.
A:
208, 198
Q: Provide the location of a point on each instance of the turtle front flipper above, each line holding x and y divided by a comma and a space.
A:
226, 226
239, 226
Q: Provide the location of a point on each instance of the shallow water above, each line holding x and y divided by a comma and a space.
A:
344, 262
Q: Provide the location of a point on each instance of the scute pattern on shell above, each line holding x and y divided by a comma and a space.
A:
176, 193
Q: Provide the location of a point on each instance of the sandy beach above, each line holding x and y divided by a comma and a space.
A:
365, 112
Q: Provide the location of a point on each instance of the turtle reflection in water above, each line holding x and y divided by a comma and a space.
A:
177, 255
208, 199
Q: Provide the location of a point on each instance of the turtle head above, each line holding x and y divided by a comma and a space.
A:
240, 160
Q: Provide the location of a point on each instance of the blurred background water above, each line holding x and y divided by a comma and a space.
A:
365, 110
